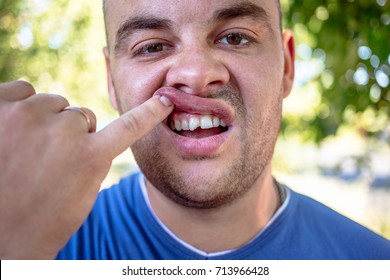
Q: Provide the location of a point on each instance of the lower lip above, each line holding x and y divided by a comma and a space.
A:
207, 146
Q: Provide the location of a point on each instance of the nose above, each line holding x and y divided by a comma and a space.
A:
196, 70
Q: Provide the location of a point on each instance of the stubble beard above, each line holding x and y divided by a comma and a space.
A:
197, 190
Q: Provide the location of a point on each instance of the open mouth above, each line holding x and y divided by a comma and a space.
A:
202, 124
196, 125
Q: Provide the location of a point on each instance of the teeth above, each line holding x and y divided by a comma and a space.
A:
177, 125
172, 124
206, 122
185, 125
194, 122
216, 121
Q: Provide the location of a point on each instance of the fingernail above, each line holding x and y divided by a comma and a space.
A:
166, 101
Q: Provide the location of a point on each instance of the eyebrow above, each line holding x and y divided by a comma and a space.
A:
245, 9
132, 25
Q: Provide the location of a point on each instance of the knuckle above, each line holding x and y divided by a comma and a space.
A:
25, 109
58, 98
153, 113
17, 112
18, 117
25, 86
132, 123
150, 112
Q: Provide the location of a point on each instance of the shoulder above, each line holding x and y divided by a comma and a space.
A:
320, 216
313, 211
347, 238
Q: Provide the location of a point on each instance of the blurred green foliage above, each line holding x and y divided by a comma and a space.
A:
56, 45
346, 47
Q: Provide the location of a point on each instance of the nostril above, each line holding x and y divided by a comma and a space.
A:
184, 88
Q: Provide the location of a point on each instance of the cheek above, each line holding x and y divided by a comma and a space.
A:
259, 92
259, 78
260, 87
134, 85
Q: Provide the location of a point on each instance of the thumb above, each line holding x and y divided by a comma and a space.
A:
132, 125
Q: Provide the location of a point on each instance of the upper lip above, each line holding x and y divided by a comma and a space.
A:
194, 104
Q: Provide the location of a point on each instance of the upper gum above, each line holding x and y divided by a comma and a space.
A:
187, 116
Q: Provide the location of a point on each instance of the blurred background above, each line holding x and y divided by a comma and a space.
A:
335, 140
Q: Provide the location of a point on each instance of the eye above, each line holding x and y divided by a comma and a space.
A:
235, 39
151, 49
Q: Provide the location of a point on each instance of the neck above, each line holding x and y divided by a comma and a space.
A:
237, 223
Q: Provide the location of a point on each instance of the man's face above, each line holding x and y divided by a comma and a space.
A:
226, 67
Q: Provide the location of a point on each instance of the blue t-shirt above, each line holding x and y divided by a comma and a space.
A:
122, 225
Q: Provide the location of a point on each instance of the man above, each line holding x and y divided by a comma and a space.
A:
207, 79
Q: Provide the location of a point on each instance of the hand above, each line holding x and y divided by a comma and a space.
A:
51, 167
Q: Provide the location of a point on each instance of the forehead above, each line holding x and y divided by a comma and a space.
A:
181, 12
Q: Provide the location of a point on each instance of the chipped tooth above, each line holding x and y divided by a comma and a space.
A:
185, 125
193, 123
215, 121
177, 125
206, 122
222, 123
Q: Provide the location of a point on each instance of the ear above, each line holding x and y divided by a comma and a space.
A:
110, 84
289, 58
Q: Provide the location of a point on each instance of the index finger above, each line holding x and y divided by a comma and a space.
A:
132, 125
16, 90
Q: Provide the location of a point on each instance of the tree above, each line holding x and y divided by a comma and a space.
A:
55, 46
350, 41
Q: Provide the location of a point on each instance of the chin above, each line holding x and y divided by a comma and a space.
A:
202, 183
